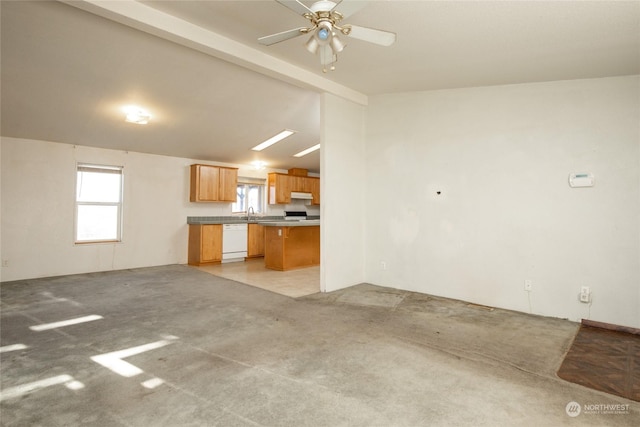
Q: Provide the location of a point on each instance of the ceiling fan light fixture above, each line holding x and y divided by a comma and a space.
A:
336, 44
312, 44
324, 33
324, 25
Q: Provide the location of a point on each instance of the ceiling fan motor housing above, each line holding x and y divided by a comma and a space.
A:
322, 6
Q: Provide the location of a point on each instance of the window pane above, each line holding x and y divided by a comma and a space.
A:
239, 205
254, 197
98, 187
97, 223
249, 196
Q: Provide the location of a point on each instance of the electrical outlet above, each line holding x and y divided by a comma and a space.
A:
528, 285
585, 294
383, 265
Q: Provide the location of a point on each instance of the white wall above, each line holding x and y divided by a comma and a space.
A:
342, 193
38, 207
501, 156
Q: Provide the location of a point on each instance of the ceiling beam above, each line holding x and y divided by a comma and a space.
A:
145, 18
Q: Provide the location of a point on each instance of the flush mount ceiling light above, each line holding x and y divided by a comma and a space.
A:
307, 151
258, 165
137, 115
277, 138
324, 29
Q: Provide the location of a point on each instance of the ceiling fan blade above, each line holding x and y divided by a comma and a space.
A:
295, 5
383, 38
349, 7
280, 37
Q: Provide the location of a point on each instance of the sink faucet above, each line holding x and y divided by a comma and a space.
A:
250, 213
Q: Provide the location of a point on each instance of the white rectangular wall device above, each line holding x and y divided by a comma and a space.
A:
581, 180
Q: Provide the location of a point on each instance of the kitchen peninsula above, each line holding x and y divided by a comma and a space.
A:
290, 245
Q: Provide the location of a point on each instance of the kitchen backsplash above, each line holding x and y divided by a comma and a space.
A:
224, 209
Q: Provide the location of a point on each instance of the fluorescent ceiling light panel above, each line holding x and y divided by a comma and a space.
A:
279, 137
307, 151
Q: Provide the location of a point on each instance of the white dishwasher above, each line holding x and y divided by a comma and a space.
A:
234, 242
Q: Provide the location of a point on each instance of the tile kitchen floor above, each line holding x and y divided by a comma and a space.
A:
293, 283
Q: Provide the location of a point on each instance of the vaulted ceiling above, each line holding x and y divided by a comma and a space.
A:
214, 92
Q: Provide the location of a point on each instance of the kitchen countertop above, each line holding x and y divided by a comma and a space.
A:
304, 223
276, 221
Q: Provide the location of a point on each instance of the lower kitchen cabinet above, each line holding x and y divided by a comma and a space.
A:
205, 244
287, 248
255, 241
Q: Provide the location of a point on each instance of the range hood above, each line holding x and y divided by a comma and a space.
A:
299, 195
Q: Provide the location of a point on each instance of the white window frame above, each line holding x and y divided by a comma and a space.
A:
245, 181
88, 167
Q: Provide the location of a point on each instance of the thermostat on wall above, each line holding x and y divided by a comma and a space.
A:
581, 180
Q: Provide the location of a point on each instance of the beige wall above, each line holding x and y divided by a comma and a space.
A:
342, 185
501, 157
38, 208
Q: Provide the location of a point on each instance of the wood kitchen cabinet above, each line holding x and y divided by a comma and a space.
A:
205, 244
279, 188
228, 184
255, 240
213, 183
288, 248
312, 185
281, 185
297, 183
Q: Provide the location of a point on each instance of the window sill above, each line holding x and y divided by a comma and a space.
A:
94, 242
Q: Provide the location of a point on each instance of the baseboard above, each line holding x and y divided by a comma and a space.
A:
611, 327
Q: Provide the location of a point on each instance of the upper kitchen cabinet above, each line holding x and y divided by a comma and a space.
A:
282, 185
213, 183
228, 184
312, 185
279, 188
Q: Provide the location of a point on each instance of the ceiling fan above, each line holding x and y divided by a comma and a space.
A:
324, 29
